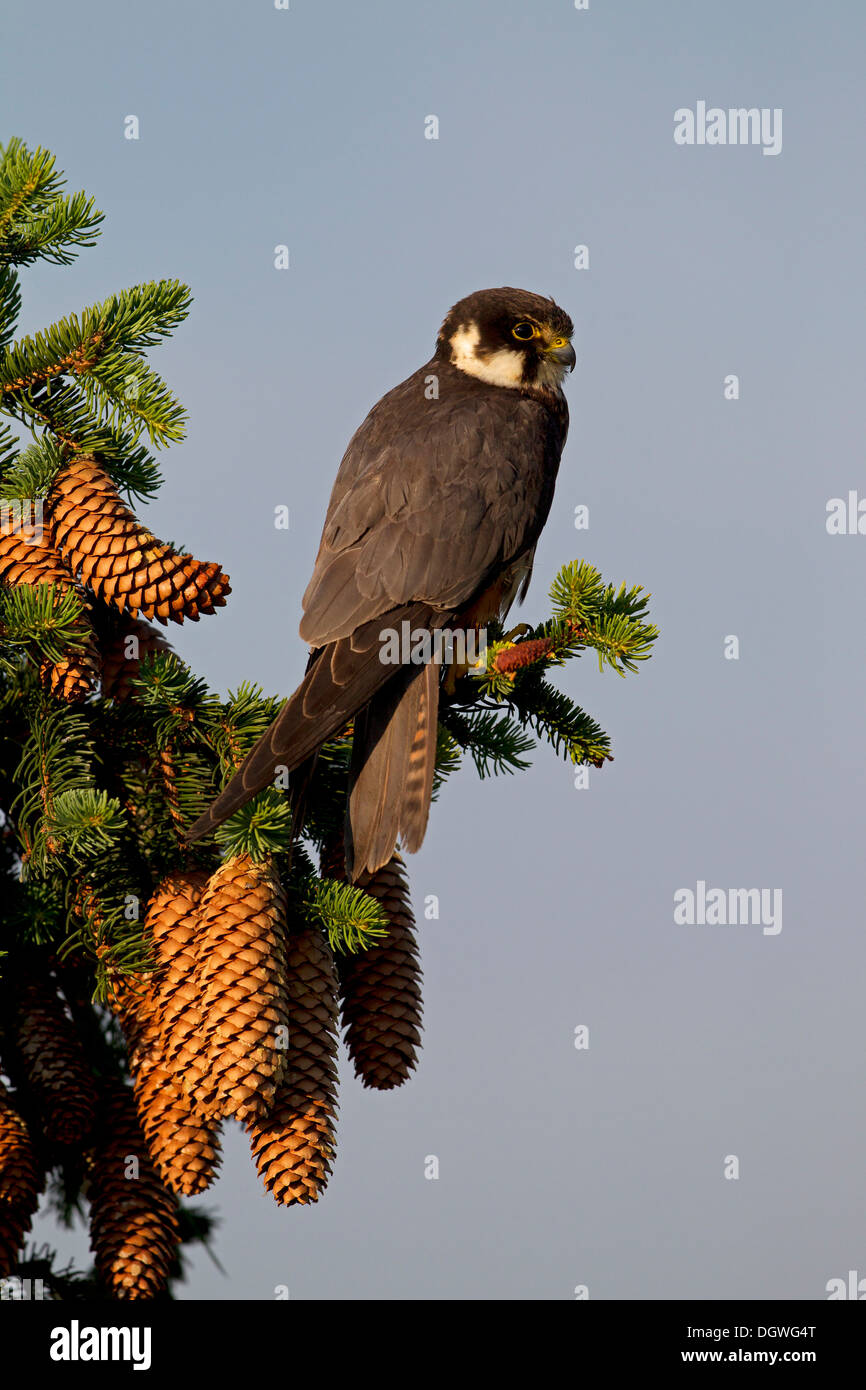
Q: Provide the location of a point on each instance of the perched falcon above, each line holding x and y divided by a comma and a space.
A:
435, 513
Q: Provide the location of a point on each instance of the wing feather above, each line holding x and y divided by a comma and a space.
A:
431, 499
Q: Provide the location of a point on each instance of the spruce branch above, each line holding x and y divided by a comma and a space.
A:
232, 728
612, 621
259, 829
85, 824
56, 235
166, 686
495, 742
32, 913
103, 347
8, 448
56, 759
449, 756
61, 408
587, 613
30, 477
569, 730
36, 220
45, 618
352, 918
10, 303
100, 927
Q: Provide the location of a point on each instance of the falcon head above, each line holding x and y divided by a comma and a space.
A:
509, 337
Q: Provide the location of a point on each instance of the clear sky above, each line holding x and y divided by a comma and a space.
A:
559, 1167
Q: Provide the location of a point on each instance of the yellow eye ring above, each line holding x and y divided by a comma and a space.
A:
524, 331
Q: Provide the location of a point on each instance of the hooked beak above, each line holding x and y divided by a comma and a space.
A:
562, 352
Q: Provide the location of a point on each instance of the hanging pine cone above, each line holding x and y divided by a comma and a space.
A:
293, 1144
381, 988
171, 924
20, 1183
134, 1229
73, 677
181, 1039
235, 1055
26, 558
182, 1142
122, 650
10, 1244
119, 559
55, 1063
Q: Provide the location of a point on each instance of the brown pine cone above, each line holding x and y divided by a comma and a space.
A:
118, 558
293, 1144
134, 1229
381, 988
21, 1182
176, 923
55, 1062
72, 678
236, 1056
28, 559
183, 1143
122, 652
11, 1240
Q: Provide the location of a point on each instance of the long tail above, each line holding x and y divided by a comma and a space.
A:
391, 773
341, 680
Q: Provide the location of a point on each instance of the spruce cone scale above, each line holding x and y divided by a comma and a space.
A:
26, 557
174, 923
121, 560
56, 1065
20, 1183
237, 1055
381, 988
182, 1141
119, 668
134, 1229
294, 1144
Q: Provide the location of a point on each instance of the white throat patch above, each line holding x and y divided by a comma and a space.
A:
501, 368
550, 373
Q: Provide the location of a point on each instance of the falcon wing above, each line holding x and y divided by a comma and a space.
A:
432, 499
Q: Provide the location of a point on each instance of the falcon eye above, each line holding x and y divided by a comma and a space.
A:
525, 331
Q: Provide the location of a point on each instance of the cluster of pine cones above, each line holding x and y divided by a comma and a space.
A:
91, 538
239, 1020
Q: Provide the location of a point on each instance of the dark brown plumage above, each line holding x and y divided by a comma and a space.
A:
433, 520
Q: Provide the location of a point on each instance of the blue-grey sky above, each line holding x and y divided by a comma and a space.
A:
559, 1167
